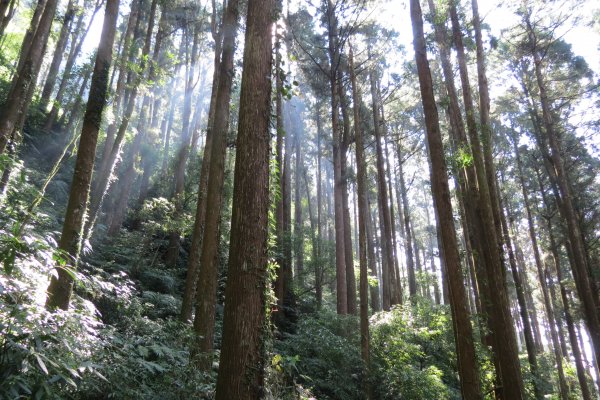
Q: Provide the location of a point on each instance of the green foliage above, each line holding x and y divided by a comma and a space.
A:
324, 354
413, 354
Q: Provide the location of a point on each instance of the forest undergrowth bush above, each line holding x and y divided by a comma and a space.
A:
118, 339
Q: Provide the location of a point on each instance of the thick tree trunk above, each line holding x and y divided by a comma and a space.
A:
241, 367
61, 287
204, 320
463, 332
501, 323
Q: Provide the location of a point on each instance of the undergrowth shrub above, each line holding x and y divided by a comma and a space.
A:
324, 355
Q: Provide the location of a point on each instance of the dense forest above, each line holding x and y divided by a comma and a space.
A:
299, 199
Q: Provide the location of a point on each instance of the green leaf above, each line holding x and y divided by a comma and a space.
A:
41, 364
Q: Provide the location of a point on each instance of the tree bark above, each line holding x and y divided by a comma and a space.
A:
30, 61
501, 324
193, 267
340, 257
204, 320
467, 361
241, 368
61, 286
363, 216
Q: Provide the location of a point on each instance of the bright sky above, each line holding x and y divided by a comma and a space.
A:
585, 41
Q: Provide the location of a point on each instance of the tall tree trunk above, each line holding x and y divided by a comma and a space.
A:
363, 216
204, 320
564, 391
389, 296
349, 256
193, 267
408, 245
61, 286
340, 257
298, 222
524, 312
501, 323
585, 289
318, 269
463, 333
241, 367
184, 148
105, 172
581, 373
315, 245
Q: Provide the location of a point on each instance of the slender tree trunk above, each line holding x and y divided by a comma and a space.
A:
204, 320
389, 296
315, 245
77, 38
408, 245
564, 391
31, 57
349, 256
298, 222
581, 373
193, 267
61, 286
363, 216
7, 12
61, 44
340, 258
467, 361
184, 149
524, 312
567, 209
103, 175
241, 367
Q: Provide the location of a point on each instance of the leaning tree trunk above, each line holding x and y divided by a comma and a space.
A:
61, 286
467, 360
567, 209
241, 367
102, 180
501, 323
